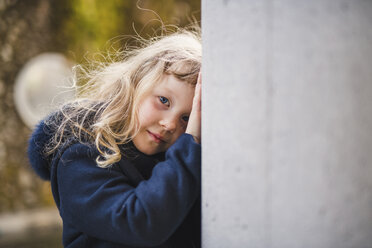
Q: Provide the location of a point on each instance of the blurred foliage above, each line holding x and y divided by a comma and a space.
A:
25, 31
90, 26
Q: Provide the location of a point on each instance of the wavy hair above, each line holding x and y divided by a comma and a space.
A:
105, 113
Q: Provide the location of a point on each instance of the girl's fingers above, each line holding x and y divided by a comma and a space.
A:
194, 125
199, 78
197, 96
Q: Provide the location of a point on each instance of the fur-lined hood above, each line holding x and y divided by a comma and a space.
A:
40, 162
41, 138
45, 131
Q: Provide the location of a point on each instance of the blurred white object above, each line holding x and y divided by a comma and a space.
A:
29, 225
43, 84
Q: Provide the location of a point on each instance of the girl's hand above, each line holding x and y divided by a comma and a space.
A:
194, 124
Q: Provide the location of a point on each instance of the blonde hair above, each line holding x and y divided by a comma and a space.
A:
106, 111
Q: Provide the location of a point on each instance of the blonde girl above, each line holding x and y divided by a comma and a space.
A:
124, 158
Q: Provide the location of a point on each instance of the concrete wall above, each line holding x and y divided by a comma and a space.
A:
287, 123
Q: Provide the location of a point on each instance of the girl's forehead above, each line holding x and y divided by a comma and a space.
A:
173, 85
176, 90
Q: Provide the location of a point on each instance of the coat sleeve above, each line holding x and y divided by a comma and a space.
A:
102, 204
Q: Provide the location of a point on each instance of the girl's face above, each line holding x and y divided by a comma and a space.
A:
163, 115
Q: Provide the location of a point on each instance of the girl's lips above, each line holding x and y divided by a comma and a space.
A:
157, 138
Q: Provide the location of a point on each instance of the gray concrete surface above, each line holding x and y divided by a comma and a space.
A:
287, 123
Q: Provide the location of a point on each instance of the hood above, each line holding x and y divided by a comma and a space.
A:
45, 131
38, 160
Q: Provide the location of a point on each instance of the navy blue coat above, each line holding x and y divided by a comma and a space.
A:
141, 201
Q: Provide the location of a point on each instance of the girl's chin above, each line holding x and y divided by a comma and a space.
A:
148, 149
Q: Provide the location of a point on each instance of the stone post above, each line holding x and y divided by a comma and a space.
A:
287, 123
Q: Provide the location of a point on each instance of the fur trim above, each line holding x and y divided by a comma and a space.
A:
36, 145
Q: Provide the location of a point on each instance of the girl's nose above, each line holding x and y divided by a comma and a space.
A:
169, 124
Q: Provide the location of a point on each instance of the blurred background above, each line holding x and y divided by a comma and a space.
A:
40, 40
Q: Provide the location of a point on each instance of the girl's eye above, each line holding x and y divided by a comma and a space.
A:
185, 118
164, 100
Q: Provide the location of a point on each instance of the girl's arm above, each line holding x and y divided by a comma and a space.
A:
101, 203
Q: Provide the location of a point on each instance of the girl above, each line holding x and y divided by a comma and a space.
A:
124, 159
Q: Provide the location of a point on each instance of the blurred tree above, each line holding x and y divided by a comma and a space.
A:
25, 31
90, 26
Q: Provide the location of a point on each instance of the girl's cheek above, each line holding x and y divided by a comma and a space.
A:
147, 112
154, 105
157, 105
183, 126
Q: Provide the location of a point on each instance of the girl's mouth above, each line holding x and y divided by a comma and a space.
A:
157, 138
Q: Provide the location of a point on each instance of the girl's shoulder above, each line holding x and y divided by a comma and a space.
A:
44, 136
